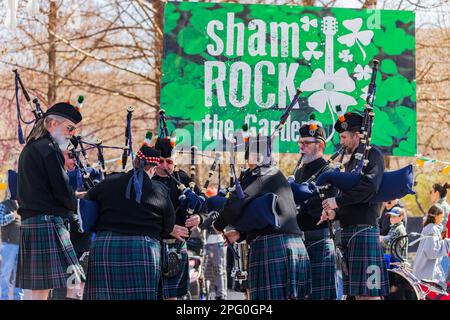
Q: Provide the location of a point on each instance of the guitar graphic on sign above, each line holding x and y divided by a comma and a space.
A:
329, 85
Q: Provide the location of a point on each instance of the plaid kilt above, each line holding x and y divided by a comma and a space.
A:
279, 268
364, 257
123, 267
177, 286
47, 259
322, 257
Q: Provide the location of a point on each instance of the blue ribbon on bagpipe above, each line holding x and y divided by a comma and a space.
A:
395, 184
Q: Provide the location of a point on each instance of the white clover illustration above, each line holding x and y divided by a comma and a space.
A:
308, 54
328, 90
307, 23
362, 73
345, 56
361, 38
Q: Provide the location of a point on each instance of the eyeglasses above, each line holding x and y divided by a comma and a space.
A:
307, 142
71, 128
168, 161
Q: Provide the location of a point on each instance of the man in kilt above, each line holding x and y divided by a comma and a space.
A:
175, 285
47, 259
367, 275
135, 213
318, 242
279, 267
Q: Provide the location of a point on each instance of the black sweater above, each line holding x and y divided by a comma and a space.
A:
154, 216
257, 182
311, 210
43, 184
354, 206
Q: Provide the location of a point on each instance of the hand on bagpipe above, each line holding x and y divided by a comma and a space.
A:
306, 190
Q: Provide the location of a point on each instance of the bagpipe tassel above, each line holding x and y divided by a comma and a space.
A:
20, 134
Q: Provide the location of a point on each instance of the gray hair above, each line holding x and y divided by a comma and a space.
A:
40, 127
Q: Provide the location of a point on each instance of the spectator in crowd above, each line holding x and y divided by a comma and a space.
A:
384, 222
396, 230
438, 195
10, 236
215, 256
432, 248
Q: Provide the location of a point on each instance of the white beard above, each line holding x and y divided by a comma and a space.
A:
61, 140
310, 158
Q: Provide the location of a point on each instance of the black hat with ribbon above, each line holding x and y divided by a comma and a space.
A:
350, 121
313, 128
65, 110
148, 154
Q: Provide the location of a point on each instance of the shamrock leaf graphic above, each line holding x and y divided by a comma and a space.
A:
362, 73
308, 23
361, 38
345, 56
308, 54
328, 90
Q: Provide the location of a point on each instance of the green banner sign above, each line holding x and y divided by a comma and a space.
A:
226, 64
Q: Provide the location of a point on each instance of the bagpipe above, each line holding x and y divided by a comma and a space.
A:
395, 184
189, 200
33, 104
127, 149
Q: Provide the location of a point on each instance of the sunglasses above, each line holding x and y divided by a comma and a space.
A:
71, 128
305, 143
71, 156
168, 161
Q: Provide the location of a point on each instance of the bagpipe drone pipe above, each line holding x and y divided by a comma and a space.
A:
36, 109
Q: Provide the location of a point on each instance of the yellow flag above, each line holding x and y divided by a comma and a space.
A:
446, 170
2, 186
420, 162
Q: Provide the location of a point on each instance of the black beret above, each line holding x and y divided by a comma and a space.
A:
149, 155
65, 110
349, 122
164, 145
